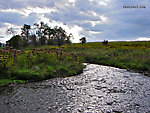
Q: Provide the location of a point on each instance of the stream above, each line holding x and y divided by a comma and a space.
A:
99, 89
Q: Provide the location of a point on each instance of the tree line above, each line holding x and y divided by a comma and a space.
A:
39, 34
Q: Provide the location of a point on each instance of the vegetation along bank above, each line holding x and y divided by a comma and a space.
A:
45, 62
33, 57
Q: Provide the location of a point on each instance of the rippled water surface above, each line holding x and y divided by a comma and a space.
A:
99, 89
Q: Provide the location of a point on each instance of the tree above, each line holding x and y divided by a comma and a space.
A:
49, 32
51, 36
33, 40
25, 32
16, 42
105, 42
68, 41
41, 32
60, 37
83, 40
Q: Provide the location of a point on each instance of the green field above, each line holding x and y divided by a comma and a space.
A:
128, 55
44, 62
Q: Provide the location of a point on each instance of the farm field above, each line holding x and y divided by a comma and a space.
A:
44, 62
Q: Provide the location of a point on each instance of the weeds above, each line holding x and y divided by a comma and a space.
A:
128, 55
39, 64
67, 60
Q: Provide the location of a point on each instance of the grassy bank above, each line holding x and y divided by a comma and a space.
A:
38, 64
129, 55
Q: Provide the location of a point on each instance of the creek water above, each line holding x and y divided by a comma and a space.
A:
99, 89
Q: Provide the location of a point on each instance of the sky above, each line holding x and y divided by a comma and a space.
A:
97, 20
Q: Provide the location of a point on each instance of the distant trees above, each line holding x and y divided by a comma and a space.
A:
105, 42
39, 34
40, 31
68, 41
16, 42
51, 36
83, 40
33, 40
25, 32
60, 37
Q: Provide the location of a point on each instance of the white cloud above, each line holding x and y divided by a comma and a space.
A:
95, 22
103, 3
143, 39
95, 18
41, 18
100, 2
102, 20
72, 2
4, 29
74, 29
27, 11
95, 32
9, 25
2, 34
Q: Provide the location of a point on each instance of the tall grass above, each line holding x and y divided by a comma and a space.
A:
128, 55
50, 61
39, 64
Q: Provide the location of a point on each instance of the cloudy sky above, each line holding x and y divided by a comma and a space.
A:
95, 19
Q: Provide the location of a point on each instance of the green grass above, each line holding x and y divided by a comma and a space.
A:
127, 55
44, 62
133, 55
39, 64
9, 81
